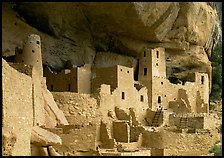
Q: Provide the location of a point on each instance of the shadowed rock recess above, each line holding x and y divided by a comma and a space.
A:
108, 79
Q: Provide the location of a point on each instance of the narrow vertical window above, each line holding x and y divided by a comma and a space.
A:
69, 87
123, 95
157, 54
159, 99
144, 54
51, 87
145, 71
202, 79
141, 98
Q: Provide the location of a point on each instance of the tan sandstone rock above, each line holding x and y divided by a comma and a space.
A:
43, 137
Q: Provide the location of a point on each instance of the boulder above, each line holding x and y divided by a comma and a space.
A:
42, 137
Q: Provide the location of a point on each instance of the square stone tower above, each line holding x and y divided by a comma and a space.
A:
152, 67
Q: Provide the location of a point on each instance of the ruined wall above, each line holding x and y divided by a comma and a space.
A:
17, 107
105, 76
125, 77
115, 104
188, 121
153, 139
124, 92
84, 79
161, 92
167, 91
121, 131
38, 98
76, 79
66, 80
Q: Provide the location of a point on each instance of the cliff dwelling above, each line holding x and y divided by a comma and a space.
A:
92, 92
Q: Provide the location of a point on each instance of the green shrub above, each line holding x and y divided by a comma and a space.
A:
216, 93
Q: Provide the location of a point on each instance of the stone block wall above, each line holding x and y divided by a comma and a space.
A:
17, 107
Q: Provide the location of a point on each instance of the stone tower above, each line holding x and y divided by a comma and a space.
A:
152, 63
152, 67
31, 54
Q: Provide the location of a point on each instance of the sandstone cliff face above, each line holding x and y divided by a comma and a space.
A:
80, 31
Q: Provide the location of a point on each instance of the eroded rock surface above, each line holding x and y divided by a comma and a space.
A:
79, 31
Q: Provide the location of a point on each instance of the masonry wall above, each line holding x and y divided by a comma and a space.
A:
131, 94
66, 80
125, 77
193, 122
17, 107
161, 92
38, 99
153, 139
116, 100
109, 102
105, 76
84, 79
121, 96
121, 131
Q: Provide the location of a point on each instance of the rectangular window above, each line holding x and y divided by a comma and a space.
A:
145, 71
141, 98
123, 95
51, 87
159, 99
69, 87
202, 79
144, 54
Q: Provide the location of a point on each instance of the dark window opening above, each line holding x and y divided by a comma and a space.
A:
157, 54
33, 51
123, 95
127, 71
51, 87
141, 98
159, 99
69, 87
145, 71
161, 83
121, 69
144, 54
136, 71
157, 64
38, 42
22, 61
202, 79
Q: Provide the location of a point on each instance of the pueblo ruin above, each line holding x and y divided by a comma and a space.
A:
106, 111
